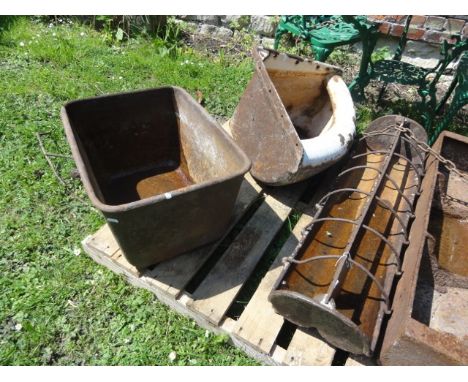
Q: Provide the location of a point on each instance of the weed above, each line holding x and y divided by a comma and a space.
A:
382, 53
240, 23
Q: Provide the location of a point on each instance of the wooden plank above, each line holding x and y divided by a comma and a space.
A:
278, 354
94, 248
139, 282
259, 324
104, 241
173, 275
306, 348
218, 290
120, 259
227, 126
355, 360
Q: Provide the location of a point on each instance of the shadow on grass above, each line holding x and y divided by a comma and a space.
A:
6, 22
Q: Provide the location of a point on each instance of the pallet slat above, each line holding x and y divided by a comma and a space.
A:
104, 241
258, 324
354, 360
216, 293
300, 352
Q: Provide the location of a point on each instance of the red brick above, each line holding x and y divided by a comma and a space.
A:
401, 19
397, 30
418, 21
376, 18
434, 22
384, 28
415, 33
454, 26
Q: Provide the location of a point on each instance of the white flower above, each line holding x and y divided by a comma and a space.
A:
76, 251
120, 78
54, 34
21, 43
172, 356
51, 25
82, 33
18, 327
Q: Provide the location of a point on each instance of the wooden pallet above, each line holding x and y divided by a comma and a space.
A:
256, 330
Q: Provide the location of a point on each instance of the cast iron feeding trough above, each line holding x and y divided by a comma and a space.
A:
158, 166
340, 275
295, 119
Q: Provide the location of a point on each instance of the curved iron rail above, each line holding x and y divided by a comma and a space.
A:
379, 199
420, 175
373, 230
397, 189
377, 133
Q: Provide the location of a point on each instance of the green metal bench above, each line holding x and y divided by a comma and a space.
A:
323, 33
397, 71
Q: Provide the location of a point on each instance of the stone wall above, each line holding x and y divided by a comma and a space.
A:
425, 33
224, 27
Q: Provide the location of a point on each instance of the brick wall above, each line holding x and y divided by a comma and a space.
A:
431, 29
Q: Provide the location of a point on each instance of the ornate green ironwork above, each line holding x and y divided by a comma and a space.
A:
324, 33
396, 71
460, 97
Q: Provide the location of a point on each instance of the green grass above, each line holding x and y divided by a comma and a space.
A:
57, 307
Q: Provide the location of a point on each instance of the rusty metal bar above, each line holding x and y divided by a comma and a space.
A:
415, 146
420, 175
397, 189
377, 233
379, 199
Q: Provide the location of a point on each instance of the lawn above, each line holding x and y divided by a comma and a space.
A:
57, 306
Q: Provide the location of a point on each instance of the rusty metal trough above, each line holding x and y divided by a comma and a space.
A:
158, 166
295, 119
340, 276
429, 325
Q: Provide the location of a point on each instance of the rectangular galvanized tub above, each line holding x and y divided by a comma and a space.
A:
158, 166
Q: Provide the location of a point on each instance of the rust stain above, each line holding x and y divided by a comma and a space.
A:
451, 236
342, 139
